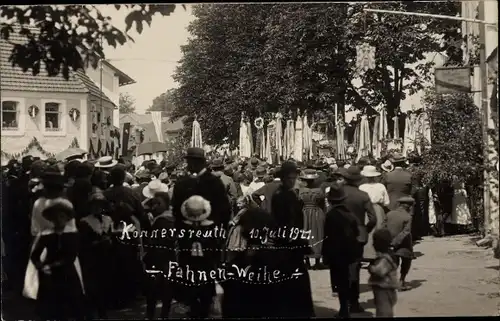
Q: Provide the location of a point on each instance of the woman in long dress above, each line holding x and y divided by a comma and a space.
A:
380, 199
460, 217
60, 294
314, 215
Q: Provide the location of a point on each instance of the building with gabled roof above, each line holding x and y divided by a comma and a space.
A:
58, 112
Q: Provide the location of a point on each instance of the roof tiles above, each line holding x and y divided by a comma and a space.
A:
13, 78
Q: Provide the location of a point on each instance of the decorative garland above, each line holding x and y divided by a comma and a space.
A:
259, 123
33, 111
36, 144
74, 114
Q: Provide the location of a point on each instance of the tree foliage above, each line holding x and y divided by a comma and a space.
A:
273, 57
69, 36
163, 103
127, 103
457, 148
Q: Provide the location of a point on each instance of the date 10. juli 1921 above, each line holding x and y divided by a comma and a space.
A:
265, 234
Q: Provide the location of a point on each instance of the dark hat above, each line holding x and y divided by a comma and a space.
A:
406, 200
397, 158
37, 168
336, 194
341, 171
254, 162
354, 173
229, 171
195, 153
84, 170
170, 166
229, 161
143, 174
217, 164
309, 174
319, 164
288, 167
260, 172
52, 176
51, 161
97, 197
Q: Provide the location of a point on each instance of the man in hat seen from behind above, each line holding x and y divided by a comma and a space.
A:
321, 168
258, 181
340, 246
286, 208
229, 185
399, 181
359, 203
399, 224
201, 181
265, 192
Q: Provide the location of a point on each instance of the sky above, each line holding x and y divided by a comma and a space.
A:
152, 58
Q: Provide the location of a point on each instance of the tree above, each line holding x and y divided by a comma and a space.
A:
127, 103
456, 149
69, 36
302, 56
163, 103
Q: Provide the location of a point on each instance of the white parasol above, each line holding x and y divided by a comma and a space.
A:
196, 139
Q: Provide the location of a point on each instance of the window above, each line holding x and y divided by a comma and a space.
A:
52, 117
10, 115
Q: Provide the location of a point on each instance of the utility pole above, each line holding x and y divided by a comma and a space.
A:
485, 115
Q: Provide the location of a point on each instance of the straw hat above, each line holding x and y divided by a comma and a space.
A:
370, 171
309, 174
106, 162
154, 187
196, 208
387, 166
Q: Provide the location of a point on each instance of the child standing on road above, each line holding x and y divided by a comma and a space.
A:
383, 275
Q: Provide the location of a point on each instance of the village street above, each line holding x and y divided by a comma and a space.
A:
451, 277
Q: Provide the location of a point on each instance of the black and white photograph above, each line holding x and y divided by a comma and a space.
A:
249, 160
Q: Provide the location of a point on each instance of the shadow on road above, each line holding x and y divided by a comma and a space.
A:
324, 312
413, 284
493, 267
417, 254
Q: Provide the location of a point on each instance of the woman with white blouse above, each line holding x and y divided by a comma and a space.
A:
380, 199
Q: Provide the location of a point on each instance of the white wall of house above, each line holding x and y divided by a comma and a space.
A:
54, 132
110, 87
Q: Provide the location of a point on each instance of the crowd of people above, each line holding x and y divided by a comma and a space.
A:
65, 222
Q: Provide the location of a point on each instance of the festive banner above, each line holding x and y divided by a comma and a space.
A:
156, 116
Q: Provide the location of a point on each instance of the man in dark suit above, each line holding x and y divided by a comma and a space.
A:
265, 192
201, 182
399, 181
358, 202
340, 246
399, 222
